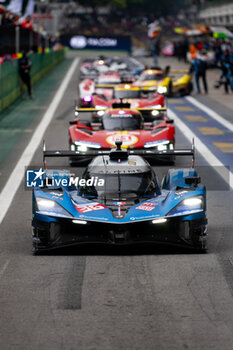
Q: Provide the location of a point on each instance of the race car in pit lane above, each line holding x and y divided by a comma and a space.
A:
87, 87
93, 67
119, 202
134, 95
165, 81
122, 124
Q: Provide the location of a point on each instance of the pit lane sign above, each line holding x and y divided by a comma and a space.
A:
82, 42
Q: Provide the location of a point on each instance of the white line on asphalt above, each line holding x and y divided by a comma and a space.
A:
3, 269
211, 113
13, 183
202, 149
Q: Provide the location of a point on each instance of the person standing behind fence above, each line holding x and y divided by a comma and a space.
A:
198, 66
24, 65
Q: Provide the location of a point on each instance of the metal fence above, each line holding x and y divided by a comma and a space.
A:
14, 39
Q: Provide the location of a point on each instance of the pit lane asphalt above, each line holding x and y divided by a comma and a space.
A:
94, 298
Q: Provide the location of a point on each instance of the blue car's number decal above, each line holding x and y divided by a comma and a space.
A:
147, 206
86, 208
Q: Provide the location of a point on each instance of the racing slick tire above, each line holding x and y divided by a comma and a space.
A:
186, 91
189, 89
194, 232
85, 122
169, 89
43, 234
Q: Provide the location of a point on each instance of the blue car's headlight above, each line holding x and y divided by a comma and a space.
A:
188, 206
49, 207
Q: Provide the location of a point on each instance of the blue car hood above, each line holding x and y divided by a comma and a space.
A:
81, 208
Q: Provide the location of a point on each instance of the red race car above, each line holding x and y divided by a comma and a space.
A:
128, 93
122, 124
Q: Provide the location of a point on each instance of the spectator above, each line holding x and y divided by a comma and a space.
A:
24, 65
198, 66
185, 47
7, 19
26, 23
155, 53
1, 14
218, 52
226, 63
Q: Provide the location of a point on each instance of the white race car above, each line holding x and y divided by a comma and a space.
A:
101, 65
88, 87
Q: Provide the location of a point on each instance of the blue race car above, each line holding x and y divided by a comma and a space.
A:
118, 201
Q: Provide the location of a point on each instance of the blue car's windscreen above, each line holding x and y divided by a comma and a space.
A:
117, 185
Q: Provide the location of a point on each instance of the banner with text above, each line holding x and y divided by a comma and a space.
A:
81, 42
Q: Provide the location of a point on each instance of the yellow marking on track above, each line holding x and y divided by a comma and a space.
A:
195, 118
225, 147
174, 101
184, 109
210, 131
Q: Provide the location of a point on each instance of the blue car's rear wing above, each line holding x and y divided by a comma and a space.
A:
65, 153
119, 153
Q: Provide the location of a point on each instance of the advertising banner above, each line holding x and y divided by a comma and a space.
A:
81, 42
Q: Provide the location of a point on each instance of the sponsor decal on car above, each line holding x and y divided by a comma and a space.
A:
127, 139
133, 103
182, 195
147, 206
141, 218
85, 208
119, 205
119, 114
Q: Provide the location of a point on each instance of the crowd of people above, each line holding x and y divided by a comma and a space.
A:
30, 39
9, 22
225, 62
9, 19
222, 58
202, 52
96, 24
207, 53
